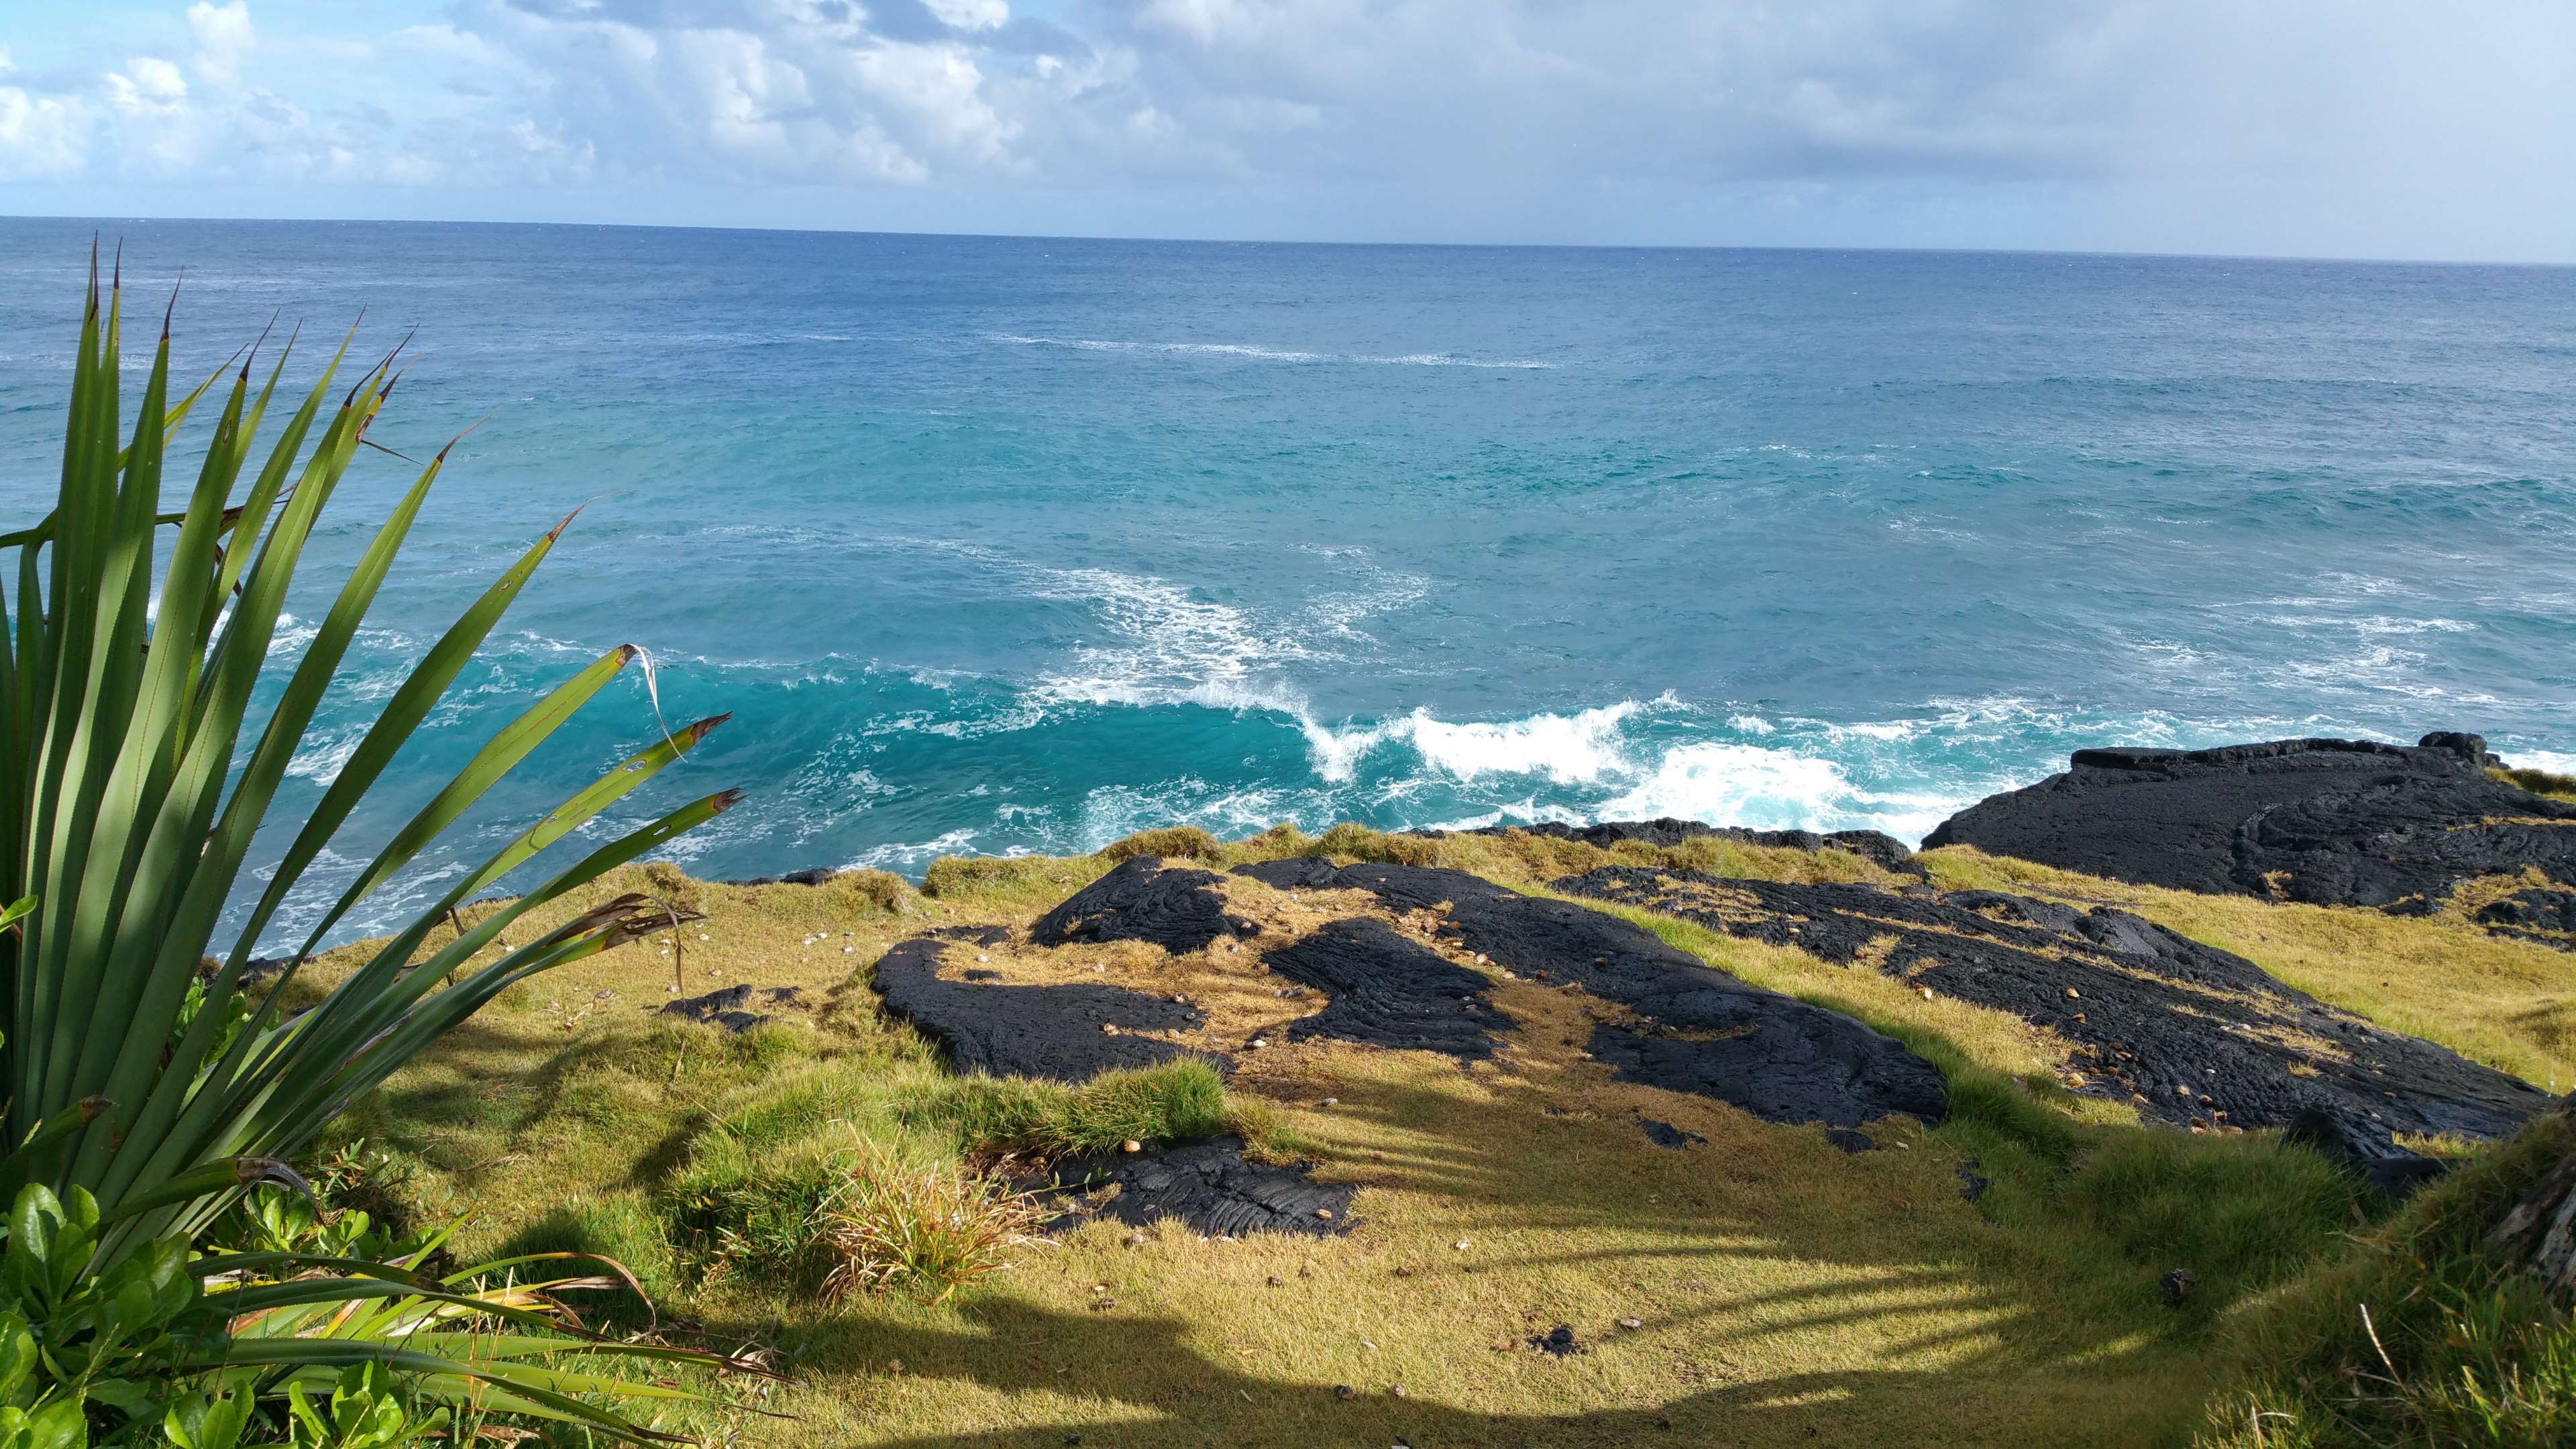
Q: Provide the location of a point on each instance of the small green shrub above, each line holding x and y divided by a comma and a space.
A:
881, 888
953, 875
920, 1227
1355, 841
1180, 842
1176, 1102
727, 1215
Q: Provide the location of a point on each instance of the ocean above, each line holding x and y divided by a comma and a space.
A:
997, 545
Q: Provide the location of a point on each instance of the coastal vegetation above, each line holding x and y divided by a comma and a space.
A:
348, 1198
167, 1270
1777, 1284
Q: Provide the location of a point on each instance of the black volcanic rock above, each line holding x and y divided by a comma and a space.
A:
2327, 822
1389, 992
2530, 913
1031, 1031
1176, 909
2365, 1149
818, 875
1699, 1030
2192, 1031
1665, 1134
731, 1007
1207, 1185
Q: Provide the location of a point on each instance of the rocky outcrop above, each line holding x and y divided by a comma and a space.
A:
818, 875
2190, 1033
2538, 914
2365, 1150
733, 1007
2327, 822
1142, 900
1207, 1185
1689, 1028
1070, 1033
1386, 991
1880, 849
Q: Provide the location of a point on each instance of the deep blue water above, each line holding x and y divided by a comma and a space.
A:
999, 545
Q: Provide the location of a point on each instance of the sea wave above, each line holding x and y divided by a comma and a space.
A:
1258, 353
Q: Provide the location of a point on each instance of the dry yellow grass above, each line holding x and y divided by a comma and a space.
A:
1786, 1293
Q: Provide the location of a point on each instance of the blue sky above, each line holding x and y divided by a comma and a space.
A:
2284, 127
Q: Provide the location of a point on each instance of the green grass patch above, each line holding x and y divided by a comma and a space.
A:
2421, 1334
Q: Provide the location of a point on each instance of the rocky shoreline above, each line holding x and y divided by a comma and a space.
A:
1408, 958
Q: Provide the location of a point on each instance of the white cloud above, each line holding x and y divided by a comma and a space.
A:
2308, 125
970, 14
41, 137
223, 39
148, 85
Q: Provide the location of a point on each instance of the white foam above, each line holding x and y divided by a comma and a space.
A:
1768, 789
2553, 761
1167, 648
917, 853
1259, 353
1750, 724
1576, 749
321, 761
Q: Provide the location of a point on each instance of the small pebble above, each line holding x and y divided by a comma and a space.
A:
2070, 994
1305, 1270
1345, 1391
1135, 1240
1397, 1390
1632, 1324
1402, 1272
1278, 1282
983, 960
1459, 1246
1325, 1213
1257, 1043
1926, 990
1328, 1101
1109, 1028
1131, 1145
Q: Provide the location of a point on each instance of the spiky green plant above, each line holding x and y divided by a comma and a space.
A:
131, 1116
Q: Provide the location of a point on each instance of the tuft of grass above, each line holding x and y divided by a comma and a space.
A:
2538, 782
1180, 842
2422, 1334
729, 1215
881, 888
1175, 1102
922, 1227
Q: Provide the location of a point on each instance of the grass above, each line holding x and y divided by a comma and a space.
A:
2539, 782
2426, 1335
1786, 1293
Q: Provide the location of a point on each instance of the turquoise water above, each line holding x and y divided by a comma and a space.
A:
998, 545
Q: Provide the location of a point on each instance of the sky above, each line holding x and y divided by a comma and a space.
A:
2339, 128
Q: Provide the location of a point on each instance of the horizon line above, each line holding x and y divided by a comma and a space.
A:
2113, 253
